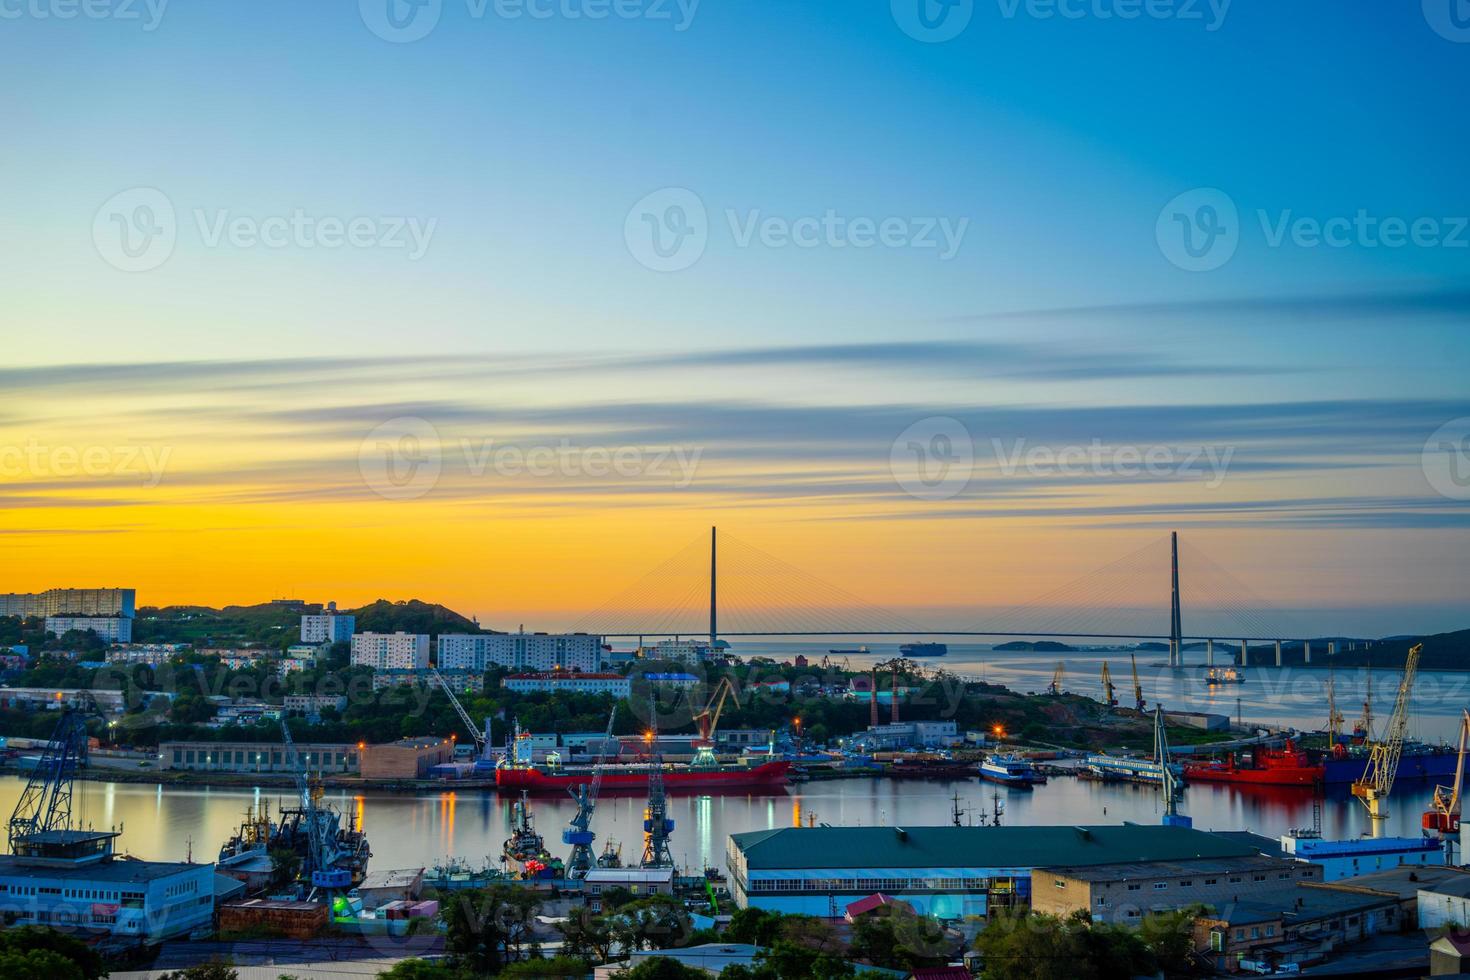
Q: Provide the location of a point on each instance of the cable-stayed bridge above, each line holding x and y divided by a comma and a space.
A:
1167, 590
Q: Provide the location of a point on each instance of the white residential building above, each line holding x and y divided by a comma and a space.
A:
113, 629
615, 684
151, 654
391, 651
70, 602
328, 626
683, 651
520, 651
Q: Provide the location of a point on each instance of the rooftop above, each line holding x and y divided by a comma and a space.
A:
1296, 903
615, 875
1406, 880
1458, 886
118, 870
1125, 870
796, 848
397, 878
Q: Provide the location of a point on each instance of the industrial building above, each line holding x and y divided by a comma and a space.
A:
328, 626
113, 629
70, 602
1296, 923
391, 651
479, 652
949, 872
323, 758
1124, 893
407, 758
572, 681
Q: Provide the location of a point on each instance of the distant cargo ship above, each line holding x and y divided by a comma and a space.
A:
1224, 675
543, 779
1287, 766
923, 650
857, 650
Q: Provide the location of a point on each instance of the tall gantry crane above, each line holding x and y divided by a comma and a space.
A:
1168, 779
1109, 693
45, 803
1383, 758
580, 834
1443, 816
464, 716
1334, 717
657, 825
1138, 702
1055, 687
707, 721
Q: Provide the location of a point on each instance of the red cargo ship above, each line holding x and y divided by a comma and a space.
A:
541, 779
1288, 766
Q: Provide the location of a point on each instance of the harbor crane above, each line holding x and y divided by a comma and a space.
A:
1110, 694
464, 715
1138, 703
657, 825
1383, 758
580, 834
1364, 728
45, 803
1443, 816
1168, 780
707, 722
1334, 717
1055, 687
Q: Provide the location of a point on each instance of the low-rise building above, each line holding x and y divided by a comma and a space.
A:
637, 881
1361, 855
312, 704
407, 758
240, 658
570, 681
1290, 924
152, 654
391, 651
255, 757
682, 681
1445, 903
113, 629
1125, 892
459, 681
948, 872
682, 651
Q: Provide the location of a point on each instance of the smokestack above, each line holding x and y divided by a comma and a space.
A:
873, 698
893, 714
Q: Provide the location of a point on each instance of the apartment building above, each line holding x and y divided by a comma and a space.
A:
520, 651
391, 651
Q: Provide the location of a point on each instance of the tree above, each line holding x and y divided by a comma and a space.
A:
485, 928
897, 937
418, 970
213, 970
560, 966
82, 961
655, 922
285, 865
662, 968
37, 964
587, 934
1170, 937
1032, 946
754, 926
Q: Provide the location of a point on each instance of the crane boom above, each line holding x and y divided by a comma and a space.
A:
464, 715
45, 803
1055, 687
1383, 760
1137, 687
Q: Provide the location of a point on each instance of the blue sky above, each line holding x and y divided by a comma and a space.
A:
520, 146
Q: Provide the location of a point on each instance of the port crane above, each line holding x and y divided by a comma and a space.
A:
322, 852
1334, 717
464, 715
657, 825
1138, 702
580, 834
45, 803
1055, 687
1383, 758
1443, 815
1110, 694
707, 722
1168, 780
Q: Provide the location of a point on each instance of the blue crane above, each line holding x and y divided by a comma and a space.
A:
580, 834
45, 803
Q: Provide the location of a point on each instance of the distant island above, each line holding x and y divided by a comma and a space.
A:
1035, 646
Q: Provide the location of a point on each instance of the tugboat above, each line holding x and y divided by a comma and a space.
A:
1287, 766
526, 848
1010, 770
611, 856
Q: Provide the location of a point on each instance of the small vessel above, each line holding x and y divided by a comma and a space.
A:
1010, 770
523, 844
611, 856
1118, 768
1287, 766
923, 650
1224, 675
857, 650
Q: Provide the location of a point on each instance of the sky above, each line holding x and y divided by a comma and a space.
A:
501, 304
